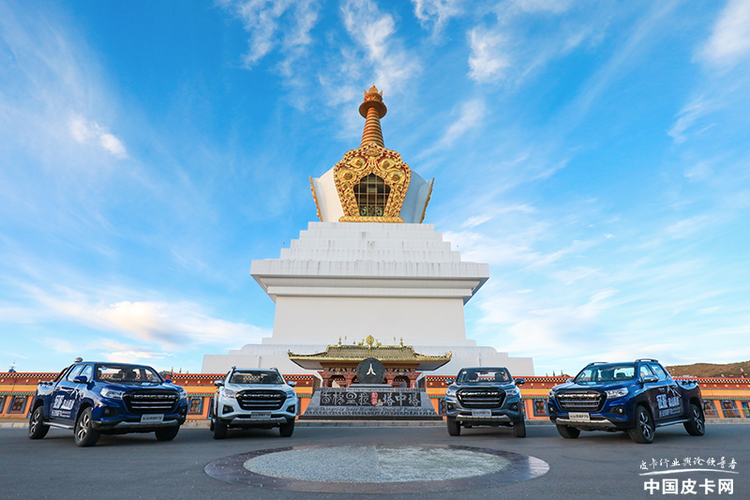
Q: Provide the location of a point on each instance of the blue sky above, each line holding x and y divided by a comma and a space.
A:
596, 154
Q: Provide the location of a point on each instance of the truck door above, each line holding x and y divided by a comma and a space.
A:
63, 397
670, 397
650, 389
81, 388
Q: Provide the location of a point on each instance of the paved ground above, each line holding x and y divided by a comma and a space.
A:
595, 466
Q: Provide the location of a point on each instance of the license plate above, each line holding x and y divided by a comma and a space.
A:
152, 419
261, 415
481, 413
579, 417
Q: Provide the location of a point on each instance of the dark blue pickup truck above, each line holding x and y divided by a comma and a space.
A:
92, 399
635, 397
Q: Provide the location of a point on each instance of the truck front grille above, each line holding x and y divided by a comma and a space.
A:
586, 401
261, 399
157, 401
481, 398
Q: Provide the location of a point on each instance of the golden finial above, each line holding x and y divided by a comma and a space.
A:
370, 339
373, 109
374, 95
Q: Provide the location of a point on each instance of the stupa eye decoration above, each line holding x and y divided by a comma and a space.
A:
371, 180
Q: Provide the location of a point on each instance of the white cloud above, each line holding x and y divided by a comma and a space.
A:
698, 172
730, 41
374, 32
437, 12
708, 310
550, 329
576, 273
489, 57
272, 23
688, 227
472, 114
481, 219
88, 132
687, 117
170, 325
58, 345
124, 353
112, 144
556, 6
475, 221
476, 247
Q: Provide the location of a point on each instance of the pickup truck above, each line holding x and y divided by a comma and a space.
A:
484, 396
95, 398
636, 397
253, 398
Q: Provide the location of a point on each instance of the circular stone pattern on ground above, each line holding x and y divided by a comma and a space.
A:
377, 468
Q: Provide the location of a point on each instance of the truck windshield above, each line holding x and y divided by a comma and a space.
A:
255, 377
127, 374
483, 375
596, 374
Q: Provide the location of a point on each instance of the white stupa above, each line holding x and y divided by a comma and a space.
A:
370, 267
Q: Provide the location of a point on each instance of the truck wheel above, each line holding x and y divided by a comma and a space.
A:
220, 429
286, 430
84, 431
643, 432
519, 429
167, 433
454, 428
696, 425
568, 432
37, 429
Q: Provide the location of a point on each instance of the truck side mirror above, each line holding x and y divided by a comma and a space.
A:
520, 381
219, 383
291, 383
81, 379
448, 381
650, 379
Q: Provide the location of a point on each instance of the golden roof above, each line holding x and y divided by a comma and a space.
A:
359, 352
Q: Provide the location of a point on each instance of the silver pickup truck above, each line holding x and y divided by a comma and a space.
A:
253, 398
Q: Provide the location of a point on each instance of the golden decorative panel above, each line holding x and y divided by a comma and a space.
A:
361, 162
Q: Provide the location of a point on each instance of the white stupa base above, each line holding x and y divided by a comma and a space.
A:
346, 281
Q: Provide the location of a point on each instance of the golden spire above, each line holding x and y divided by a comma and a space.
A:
373, 110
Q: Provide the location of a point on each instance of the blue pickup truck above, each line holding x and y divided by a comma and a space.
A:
635, 397
94, 398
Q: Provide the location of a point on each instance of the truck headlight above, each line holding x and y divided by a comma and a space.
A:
183, 395
450, 393
551, 394
513, 391
290, 395
617, 393
112, 393
229, 393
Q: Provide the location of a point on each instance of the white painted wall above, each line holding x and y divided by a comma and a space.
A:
414, 319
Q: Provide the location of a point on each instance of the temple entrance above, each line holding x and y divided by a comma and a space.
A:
369, 380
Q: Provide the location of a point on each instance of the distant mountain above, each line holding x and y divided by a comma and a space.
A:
711, 370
